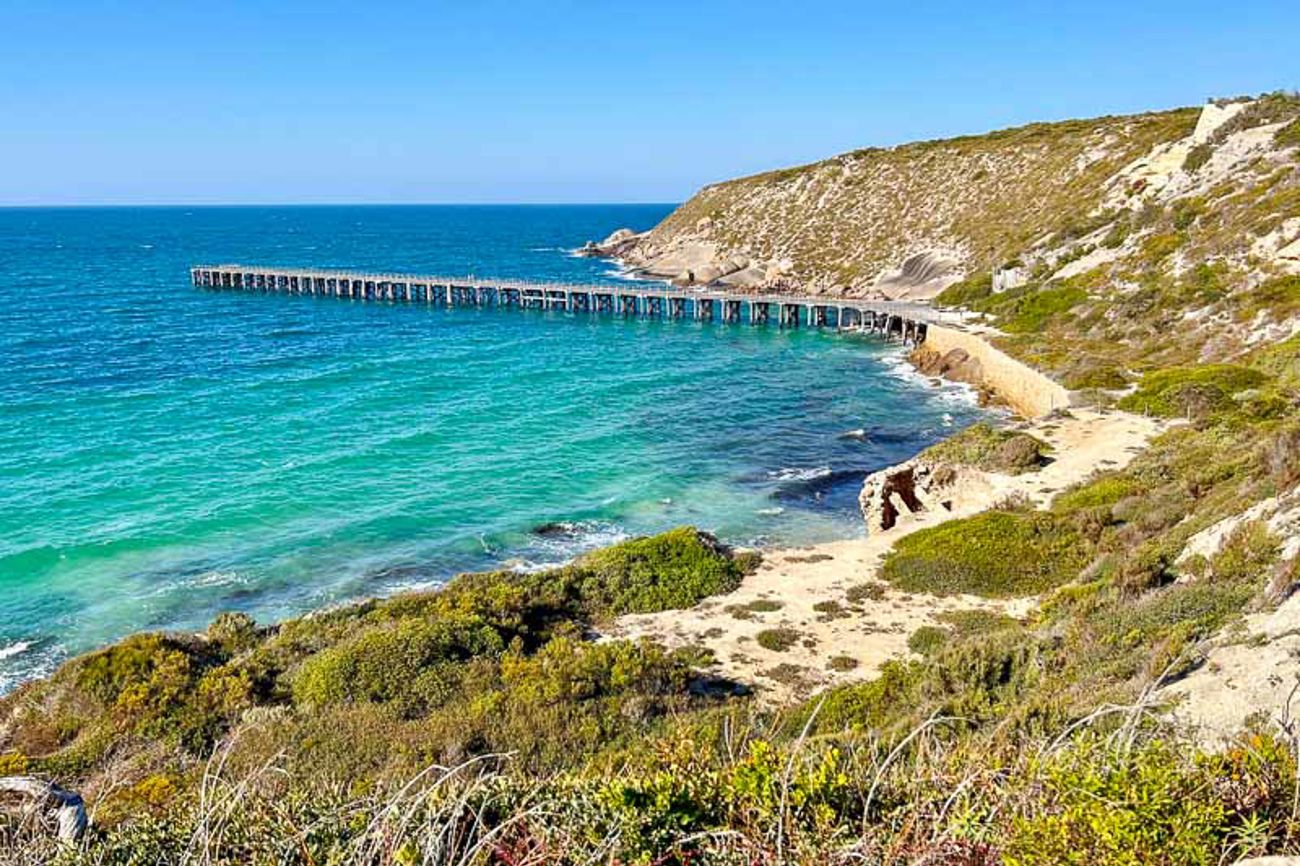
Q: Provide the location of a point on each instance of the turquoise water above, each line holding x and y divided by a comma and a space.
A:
168, 452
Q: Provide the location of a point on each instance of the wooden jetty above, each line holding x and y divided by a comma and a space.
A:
900, 320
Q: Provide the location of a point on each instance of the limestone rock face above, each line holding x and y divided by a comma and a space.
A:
907, 488
921, 276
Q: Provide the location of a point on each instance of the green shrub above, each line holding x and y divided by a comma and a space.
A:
1190, 391
976, 621
676, 569
407, 661
1106, 490
758, 605
927, 639
1032, 311
986, 447
879, 703
777, 639
1155, 804
1090, 373
1118, 233
1247, 554
997, 553
1280, 361
1279, 297
1186, 211
1198, 156
864, 592
233, 632
1289, 135
975, 287
1159, 247
842, 664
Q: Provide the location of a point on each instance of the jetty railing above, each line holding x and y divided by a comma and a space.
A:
903, 320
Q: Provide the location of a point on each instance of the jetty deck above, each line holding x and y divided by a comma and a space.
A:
901, 320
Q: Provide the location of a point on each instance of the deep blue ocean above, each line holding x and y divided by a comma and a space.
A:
168, 452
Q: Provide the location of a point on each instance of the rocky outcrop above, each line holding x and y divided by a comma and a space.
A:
955, 365
923, 275
618, 244
908, 488
65, 810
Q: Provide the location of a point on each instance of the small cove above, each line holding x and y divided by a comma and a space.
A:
167, 452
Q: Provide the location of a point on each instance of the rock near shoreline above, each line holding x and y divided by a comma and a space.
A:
907, 488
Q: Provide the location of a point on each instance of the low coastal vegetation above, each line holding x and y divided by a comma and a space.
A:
991, 449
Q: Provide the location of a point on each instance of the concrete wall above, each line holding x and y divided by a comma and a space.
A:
1026, 390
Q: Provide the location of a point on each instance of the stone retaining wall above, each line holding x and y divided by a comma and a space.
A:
1026, 390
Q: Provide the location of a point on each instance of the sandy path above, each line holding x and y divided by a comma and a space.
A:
841, 640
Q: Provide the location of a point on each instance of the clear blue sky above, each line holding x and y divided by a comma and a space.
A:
116, 102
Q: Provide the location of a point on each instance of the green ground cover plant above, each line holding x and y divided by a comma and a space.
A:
997, 554
984, 446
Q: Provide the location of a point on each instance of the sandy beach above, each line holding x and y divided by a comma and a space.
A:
848, 622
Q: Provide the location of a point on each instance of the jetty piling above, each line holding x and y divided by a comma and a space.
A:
901, 320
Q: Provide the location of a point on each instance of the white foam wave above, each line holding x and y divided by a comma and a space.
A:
14, 649
571, 539
797, 473
215, 578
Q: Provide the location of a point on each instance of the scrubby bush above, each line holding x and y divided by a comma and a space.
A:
1091, 373
1191, 391
1289, 135
975, 287
996, 553
1103, 491
1158, 247
777, 639
927, 639
864, 592
1031, 309
410, 661
986, 447
1157, 804
1198, 156
676, 569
